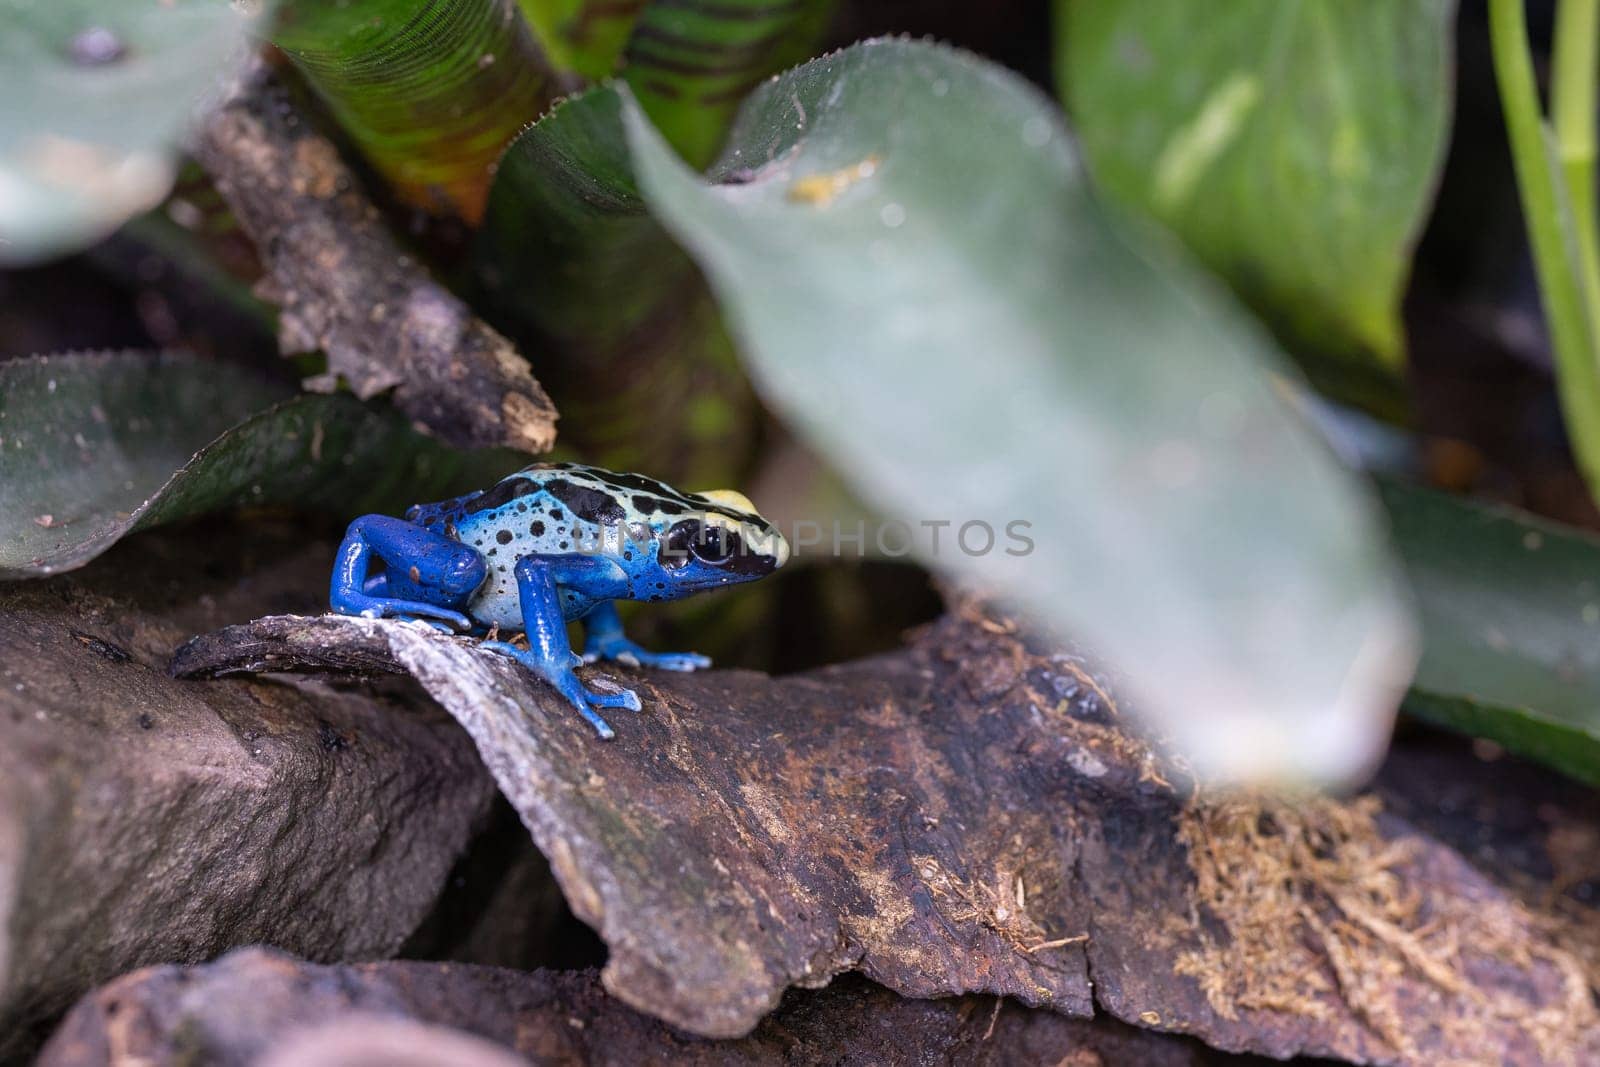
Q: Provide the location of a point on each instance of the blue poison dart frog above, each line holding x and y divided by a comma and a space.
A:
552, 543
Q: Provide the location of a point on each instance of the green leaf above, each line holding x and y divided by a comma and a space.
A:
923, 285
1294, 145
431, 91
633, 349
96, 93
583, 36
96, 445
1510, 609
689, 65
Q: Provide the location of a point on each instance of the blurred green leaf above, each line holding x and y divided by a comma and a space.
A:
583, 36
93, 98
431, 91
923, 284
96, 445
689, 65
1294, 145
1510, 608
633, 349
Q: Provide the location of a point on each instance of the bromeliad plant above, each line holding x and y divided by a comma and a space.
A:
953, 293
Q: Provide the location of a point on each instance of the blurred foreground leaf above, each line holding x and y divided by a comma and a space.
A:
923, 284
96, 445
1293, 144
93, 98
1510, 608
430, 90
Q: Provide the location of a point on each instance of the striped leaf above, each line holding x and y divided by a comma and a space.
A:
691, 62
583, 36
431, 91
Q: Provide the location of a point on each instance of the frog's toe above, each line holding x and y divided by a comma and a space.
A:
622, 698
631, 655
675, 661
601, 727
437, 624
406, 610
586, 700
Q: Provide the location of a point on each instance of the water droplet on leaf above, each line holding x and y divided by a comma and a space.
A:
95, 47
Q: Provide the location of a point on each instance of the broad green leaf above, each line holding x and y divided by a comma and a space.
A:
689, 65
632, 346
1293, 145
431, 91
94, 95
922, 283
1510, 610
96, 445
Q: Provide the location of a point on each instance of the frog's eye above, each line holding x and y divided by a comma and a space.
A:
677, 545
692, 539
716, 545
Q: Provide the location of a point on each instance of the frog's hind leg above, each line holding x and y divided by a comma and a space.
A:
603, 639
377, 587
549, 654
438, 574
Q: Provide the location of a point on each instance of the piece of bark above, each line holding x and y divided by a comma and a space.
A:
144, 819
969, 815
346, 288
255, 1007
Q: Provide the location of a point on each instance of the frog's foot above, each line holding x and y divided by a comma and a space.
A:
626, 652
437, 624
567, 684
372, 607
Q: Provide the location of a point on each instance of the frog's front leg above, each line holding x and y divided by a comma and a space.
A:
603, 639
549, 654
428, 574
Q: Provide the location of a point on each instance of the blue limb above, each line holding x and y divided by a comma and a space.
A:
603, 639
377, 585
549, 654
429, 576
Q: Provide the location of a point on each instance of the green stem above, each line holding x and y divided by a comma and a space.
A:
1571, 303
1573, 89
1574, 83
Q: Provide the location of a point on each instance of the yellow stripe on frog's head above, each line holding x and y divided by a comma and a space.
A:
730, 498
763, 537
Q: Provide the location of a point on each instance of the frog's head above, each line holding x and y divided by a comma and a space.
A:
725, 541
